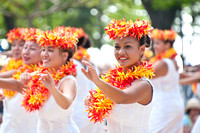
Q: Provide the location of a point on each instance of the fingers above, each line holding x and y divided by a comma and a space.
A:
83, 71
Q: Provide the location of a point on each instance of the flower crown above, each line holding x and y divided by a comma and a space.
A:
30, 34
121, 28
15, 33
164, 34
79, 31
59, 39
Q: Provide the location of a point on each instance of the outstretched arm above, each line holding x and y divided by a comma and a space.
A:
65, 94
11, 84
7, 74
140, 91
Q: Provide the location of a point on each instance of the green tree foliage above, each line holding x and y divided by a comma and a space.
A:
92, 16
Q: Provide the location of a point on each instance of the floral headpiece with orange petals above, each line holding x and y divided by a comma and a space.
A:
164, 34
30, 34
79, 31
15, 33
121, 28
59, 39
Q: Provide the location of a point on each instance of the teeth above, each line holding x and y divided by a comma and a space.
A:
122, 58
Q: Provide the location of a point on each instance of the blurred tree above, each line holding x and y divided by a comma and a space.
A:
163, 13
92, 16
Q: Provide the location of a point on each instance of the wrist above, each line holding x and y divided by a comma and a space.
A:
97, 81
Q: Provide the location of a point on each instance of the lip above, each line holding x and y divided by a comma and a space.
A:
26, 58
122, 59
45, 61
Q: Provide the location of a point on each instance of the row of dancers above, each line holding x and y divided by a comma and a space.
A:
50, 85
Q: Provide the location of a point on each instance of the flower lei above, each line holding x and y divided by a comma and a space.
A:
36, 95
15, 33
121, 28
170, 53
163, 34
16, 75
59, 39
100, 105
81, 53
13, 64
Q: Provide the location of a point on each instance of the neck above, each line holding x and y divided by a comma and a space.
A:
132, 68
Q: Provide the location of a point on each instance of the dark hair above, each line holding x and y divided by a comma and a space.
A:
145, 40
85, 42
70, 52
171, 42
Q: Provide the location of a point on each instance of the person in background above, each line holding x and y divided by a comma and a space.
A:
15, 118
52, 88
168, 108
192, 111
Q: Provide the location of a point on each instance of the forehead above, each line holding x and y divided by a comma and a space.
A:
31, 44
18, 41
125, 40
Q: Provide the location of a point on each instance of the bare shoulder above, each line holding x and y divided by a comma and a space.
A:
161, 68
67, 83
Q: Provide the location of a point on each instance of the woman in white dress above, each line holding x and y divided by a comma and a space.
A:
83, 86
15, 118
56, 86
129, 96
168, 109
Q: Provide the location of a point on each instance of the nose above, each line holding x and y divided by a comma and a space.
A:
121, 51
44, 53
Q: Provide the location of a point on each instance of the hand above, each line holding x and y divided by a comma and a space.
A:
87, 100
91, 73
47, 80
24, 78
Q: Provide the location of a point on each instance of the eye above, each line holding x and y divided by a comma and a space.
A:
117, 47
50, 50
127, 46
43, 49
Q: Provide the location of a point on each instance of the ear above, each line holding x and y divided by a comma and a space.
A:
65, 56
142, 49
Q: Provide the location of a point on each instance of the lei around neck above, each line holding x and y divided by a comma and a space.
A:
13, 64
36, 95
170, 53
100, 105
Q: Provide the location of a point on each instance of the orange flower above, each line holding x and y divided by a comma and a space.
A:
15, 33
100, 105
61, 39
30, 34
13, 64
121, 28
164, 34
79, 31
81, 52
170, 53
36, 95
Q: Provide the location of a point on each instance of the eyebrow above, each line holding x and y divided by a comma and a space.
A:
124, 43
127, 42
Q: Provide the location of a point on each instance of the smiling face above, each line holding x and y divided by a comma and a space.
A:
128, 52
53, 57
31, 53
16, 48
160, 46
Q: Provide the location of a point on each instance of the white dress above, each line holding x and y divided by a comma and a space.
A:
79, 115
129, 118
15, 118
168, 110
196, 127
54, 119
